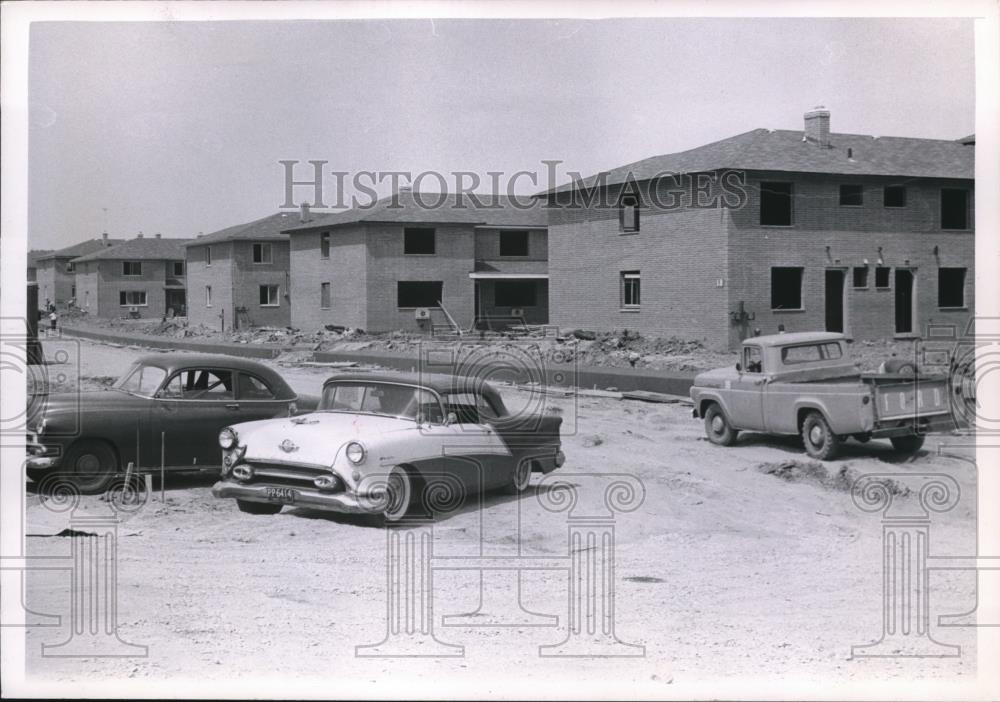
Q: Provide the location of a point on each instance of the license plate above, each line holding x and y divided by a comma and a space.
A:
281, 494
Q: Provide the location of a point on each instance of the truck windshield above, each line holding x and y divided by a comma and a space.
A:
811, 352
389, 399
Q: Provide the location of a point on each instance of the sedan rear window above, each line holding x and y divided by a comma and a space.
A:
253, 388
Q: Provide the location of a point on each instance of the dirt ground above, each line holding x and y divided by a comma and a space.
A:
744, 561
618, 349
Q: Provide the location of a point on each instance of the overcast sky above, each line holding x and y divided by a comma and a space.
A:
178, 127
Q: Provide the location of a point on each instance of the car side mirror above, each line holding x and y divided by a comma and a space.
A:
738, 366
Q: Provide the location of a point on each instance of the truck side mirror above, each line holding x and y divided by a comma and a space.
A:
738, 366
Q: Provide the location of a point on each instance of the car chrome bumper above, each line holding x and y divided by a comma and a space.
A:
42, 462
304, 497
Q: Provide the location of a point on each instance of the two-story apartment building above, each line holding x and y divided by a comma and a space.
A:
54, 270
411, 259
770, 230
140, 278
239, 276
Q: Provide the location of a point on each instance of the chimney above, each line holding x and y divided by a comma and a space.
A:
140, 235
818, 126
304, 212
104, 239
158, 235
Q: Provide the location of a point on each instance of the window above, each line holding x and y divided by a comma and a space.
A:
514, 293
513, 243
324, 245
72, 291
631, 288
70, 267
261, 253
132, 298
954, 208
177, 267
131, 267
208, 296
882, 277
418, 240
851, 196
423, 293
251, 387
860, 276
208, 255
786, 288
776, 204
268, 295
142, 380
951, 287
628, 214
894, 196
324, 296
381, 398
200, 384
811, 352
753, 360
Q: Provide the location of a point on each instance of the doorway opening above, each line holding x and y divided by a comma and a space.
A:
904, 301
835, 300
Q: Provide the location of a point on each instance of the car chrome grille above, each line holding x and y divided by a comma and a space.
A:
293, 476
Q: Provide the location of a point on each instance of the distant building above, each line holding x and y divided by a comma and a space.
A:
33, 256
391, 266
800, 230
239, 276
54, 270
140, 278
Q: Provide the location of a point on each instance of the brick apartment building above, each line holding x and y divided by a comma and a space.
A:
239, 276
54, 270
801, 230
388, 266
142, 278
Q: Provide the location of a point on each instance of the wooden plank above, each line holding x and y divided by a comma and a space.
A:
647, 396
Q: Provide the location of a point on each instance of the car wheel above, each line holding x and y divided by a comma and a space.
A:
818, 437
717, 427
520, 478
257, 507
399, 494
907, 444
90, 466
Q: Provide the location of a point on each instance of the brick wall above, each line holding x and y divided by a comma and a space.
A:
451, 263
111, 281
346, 270
54, 281
219, 276
680, 255
87, 297
247, 277
488, 246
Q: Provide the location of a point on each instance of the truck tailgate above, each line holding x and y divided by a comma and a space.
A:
909, 399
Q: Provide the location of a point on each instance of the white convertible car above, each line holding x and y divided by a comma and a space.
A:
386, 444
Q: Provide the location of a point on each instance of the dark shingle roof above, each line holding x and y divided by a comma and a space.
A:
146, 248
422, 208
269, 227
785, 150
36, 254
81, 249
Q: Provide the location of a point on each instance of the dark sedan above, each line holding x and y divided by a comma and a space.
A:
166, 408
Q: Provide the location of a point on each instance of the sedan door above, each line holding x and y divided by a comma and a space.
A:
194, 405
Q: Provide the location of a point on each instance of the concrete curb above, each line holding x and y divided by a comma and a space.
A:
556, 374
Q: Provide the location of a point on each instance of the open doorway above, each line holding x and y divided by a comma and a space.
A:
904, 301
835, 299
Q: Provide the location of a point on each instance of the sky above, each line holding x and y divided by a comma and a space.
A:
178, 127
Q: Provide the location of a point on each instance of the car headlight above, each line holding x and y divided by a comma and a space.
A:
227, 438
355, 453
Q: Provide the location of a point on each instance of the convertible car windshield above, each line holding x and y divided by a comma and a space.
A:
388, 399
141, 380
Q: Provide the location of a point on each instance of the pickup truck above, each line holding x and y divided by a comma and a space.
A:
806, 384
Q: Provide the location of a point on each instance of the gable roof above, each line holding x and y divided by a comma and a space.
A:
406, 207
35, 254
81, 249
145, 248
787, 150
269, 227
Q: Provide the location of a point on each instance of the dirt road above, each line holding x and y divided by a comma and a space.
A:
747, 561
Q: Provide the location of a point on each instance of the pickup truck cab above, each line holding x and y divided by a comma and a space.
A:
805, 383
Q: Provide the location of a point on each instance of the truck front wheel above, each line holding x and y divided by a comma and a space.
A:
907, 444
819, 439
717, 427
